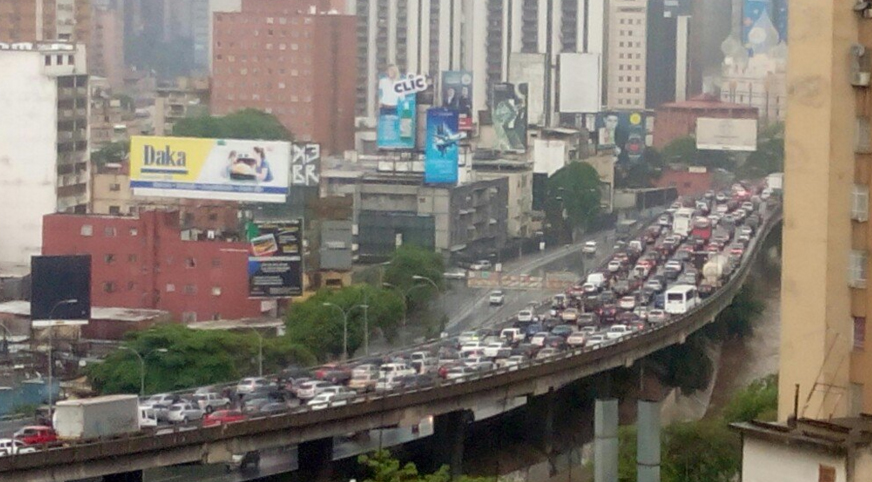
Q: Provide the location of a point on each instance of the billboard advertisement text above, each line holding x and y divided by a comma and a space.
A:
60, 290
275, 262
457, 95
509, 115
626, 131
397, 112
726, 134
441, 152
230, 170
306, 164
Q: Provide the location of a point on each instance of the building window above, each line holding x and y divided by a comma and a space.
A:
109, 258
87, 230
860, 203
213, 216
131, 285
171, 287
857, 269
862, 135
115, 210
216, 291
115, 187
131, 258
190, 263
859, 331
216, 262
134, 231
190, 289
48, 60
826, 473
109, 287
109, 232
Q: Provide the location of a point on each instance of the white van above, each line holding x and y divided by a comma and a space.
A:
597, 279
392, 370
681, 299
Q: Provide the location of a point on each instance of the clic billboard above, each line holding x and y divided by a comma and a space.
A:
509, 116
726, 134
441, 154
275, 262
397, 110
457, 95
61, 290
224, 169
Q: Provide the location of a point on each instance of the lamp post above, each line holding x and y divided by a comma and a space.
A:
6, 333
345, 325
142, 366
259, 352
436, 287
60, 303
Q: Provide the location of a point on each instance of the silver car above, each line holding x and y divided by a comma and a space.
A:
184, 413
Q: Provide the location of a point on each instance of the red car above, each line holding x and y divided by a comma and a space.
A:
36, 435
223, 416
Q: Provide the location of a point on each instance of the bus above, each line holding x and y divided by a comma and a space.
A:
681, 299
681, 221
702, 228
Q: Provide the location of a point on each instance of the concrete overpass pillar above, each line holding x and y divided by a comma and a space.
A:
315, 460
135, 476
449, 432
540, 421
648, 441
605, 428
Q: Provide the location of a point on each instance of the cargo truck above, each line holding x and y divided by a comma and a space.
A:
88, 418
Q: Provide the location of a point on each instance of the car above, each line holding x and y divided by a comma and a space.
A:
525, 316
589, 248
394, 370
608, 313
546, 353
554, 341
539, 338
10, 446
481, 265
273, 407
653, 285
209, 402
589, 330
596, 339
466, 337
492, 348
641, 311
324, 400
569, 315
658, 316
459, 372
497, 298
363, 381
586, 319
36, 435
688, 278
562, 330
414, 382
251, 384
221, 417
455, 274
471, 347
312, 388
184, 412
737, 250
614, 266
512, 361
617, 331
589, 288
627, 303
576, 339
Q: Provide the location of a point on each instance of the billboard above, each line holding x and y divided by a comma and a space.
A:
726, 134
226, 169
580, 83
441, 154
457, 95
530, 69
759, 34
60, 290
509, 116
397, 111
305, 164
676, 8
275, 261
626, 131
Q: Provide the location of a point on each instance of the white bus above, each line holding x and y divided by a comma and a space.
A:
681, 222
681, 299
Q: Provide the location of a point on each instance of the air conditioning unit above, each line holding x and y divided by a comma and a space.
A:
860, 79
210, 234
860, 66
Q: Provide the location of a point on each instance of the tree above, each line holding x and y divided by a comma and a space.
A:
409, 261
243, 124
382, 467
769, 156
640, 174
177, 357
683, 151
737, 319
572, 197
757, 401
114, 152
703, 451
320, 328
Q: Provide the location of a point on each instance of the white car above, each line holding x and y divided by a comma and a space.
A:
576, 339
10, 446
617, 331
467, 336
546, 353
596, 339
471, 347
497, 298
492, 349
184, 413
456, 274
627, 303
459, 372
324, 400
211, 402
481, 265
248, 385
614, 266
589, 247
310, 389
658, 316
588, 330
525, 316
512, 361
539, 338
569, 315
395, 370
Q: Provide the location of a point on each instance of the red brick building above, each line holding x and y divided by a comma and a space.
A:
142, 262
294, 61
688, 182
678, 119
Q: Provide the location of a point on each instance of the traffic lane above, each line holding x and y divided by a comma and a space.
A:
9, 427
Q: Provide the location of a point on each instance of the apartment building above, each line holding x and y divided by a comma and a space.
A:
106, 47
45, 20
627, 47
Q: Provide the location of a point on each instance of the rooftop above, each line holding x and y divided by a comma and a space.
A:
22, 308
704, 101
835, 436
243, 324
56, 46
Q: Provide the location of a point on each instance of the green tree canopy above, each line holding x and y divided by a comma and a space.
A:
409, 261
769, 156
177, 357
683, 151
640, 174
757, 401
574, 190
242, 124
114, 152
320, 328
382, 467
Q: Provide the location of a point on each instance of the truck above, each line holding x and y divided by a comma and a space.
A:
681, 222
716, 269
775, 181
88, 418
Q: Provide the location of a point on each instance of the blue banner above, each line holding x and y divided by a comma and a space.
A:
441, 152
397, 113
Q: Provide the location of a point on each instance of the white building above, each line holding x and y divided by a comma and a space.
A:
43, 144
759, 81
627, 47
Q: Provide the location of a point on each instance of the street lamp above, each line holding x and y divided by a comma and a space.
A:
141, 365
70, 301
345, 325
259, 352
435, 286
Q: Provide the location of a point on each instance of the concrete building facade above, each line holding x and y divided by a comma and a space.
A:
187, 97
627, 47
274, 61
43, 143
678, 119
45, 20
106, 48
519, 180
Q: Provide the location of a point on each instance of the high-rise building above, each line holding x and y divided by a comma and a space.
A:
38, 20
627, 47
106, 50
43, 143
825, 300
298, 64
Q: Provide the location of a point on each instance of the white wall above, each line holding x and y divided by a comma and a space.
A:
28, 156
770, 462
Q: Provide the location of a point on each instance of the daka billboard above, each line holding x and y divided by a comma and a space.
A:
457, 95
441, 154
225, 169
397, 111
275, 262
